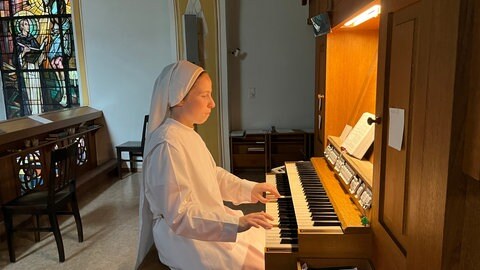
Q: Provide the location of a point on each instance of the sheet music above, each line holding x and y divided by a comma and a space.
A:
395, 128
345, 132
39, 119
361, 137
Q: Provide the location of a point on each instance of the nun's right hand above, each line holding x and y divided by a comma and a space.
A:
257, 220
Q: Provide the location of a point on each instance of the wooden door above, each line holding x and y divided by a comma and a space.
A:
396, 173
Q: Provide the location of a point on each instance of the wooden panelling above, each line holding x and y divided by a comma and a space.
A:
7, 180
343, 9
351, 70
21, 128
438, 181
471, 165
471, 81
471, 234
316, 7
332, 263
461, 242
320, 78
395, 5
395, 172
396, 178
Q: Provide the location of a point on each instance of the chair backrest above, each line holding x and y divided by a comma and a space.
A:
30, 172
62, 174
144, 132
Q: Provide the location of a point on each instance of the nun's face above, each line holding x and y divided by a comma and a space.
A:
195, 108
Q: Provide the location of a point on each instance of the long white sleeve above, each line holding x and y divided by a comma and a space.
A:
169, 192
233, 188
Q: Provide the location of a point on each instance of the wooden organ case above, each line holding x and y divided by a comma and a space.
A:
426, 195
332, 214
26, 144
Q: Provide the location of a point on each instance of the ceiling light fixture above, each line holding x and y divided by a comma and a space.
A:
364, 16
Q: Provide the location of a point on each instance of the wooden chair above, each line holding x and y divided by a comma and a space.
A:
134, 149
52, 200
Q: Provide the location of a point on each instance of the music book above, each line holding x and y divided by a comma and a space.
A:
345, 132
360, 138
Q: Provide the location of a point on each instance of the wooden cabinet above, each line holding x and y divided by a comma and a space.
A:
26, 144
289, 147
249, 152
266, 150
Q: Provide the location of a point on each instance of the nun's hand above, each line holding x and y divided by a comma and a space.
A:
259, 190
257, 220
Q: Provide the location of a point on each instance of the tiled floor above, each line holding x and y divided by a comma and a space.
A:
110, 224
110, 220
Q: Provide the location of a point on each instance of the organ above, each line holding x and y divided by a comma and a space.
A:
317, 217
424, 195
332, 194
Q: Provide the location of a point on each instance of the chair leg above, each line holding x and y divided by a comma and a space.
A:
132, 162
119, 163
36, 226
58, 236
9, 231
78, 220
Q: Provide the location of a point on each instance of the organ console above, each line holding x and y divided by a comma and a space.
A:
318, 219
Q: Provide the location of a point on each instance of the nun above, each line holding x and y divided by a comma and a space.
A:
183, 191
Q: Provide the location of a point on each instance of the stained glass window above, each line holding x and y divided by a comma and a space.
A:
39, 72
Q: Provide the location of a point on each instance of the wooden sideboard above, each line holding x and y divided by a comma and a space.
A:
26, 144
264, 150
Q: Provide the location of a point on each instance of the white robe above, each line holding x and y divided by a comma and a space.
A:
185, 190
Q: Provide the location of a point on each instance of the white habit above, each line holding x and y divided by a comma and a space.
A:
181, 203
185, 186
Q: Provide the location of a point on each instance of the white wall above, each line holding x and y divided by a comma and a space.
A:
127, 43
277, 59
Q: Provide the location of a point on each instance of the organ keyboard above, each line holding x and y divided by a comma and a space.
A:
314, 218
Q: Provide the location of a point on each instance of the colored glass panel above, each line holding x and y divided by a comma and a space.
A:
38, 56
